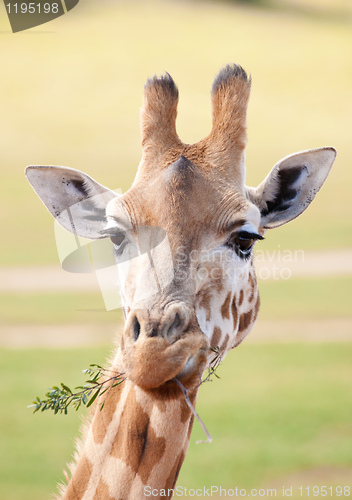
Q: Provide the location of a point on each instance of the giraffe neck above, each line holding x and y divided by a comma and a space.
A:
137, 442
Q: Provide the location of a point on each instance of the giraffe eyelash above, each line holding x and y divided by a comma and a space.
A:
242, 243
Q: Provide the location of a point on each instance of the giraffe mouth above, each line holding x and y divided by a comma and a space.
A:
151, 362
189, 368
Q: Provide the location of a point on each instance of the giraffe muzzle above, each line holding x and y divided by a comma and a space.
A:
156, 351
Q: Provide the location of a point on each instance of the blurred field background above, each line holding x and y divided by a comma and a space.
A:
70, 94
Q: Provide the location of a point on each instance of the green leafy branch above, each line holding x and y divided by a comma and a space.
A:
59, 399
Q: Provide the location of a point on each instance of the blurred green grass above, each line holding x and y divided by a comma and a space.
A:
306, 298
291, 299
34, 450
70, 95
277, 409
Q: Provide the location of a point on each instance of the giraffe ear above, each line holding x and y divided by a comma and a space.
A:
75, 200
291, 186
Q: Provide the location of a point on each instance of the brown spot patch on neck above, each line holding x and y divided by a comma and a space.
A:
171, 480
102, 492
77, 487
136, 443
165, 394
102, 418
190, 427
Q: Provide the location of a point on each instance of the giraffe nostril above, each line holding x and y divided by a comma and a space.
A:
177, 326
136, 328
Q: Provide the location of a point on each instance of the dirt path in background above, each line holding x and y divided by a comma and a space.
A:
284, 264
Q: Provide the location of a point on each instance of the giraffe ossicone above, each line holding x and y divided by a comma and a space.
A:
208, 296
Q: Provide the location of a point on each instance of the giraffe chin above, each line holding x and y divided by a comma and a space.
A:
151, 362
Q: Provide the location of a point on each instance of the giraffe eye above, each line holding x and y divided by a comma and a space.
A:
118, 239
242, 242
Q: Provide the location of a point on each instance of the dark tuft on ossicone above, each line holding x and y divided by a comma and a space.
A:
229, 72
165, 83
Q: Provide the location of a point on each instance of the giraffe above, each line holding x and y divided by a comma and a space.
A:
196, 195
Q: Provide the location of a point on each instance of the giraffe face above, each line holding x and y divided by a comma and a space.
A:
192, 223
207, 233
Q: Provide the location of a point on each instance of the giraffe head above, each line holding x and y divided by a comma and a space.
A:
192, 222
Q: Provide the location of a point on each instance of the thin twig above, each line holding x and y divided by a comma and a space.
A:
213, 365
193, 410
